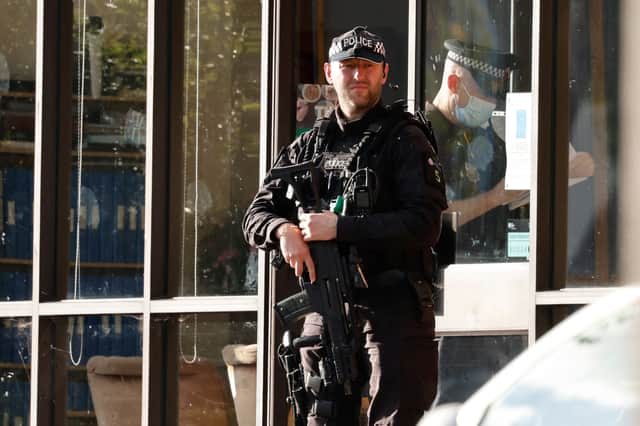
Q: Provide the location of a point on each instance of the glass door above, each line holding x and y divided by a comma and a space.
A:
473, 73
303, 96
487, 301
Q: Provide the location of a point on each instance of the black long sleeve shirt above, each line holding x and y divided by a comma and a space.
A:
405, 217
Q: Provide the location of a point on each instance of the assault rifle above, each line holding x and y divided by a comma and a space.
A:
330, 296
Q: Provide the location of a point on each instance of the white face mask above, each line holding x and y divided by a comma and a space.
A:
476, 112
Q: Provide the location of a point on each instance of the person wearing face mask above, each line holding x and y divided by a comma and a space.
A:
474, 82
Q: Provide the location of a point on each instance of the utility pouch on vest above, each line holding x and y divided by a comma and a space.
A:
424, 294
444, 255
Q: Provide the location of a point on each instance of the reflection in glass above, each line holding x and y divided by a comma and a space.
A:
17, 129
468, 362
593, 145
15, 371
106, 214
219, 144
100, 367
493, 223
216, 354
590, 379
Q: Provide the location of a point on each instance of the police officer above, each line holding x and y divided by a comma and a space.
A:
397, 355
474, 81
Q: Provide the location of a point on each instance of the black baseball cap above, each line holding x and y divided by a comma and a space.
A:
357, 43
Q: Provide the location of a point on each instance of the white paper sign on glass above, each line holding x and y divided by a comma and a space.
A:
518, 141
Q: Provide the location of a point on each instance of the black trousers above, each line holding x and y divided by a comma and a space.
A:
397, 358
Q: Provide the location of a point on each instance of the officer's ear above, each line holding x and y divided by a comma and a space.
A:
453, 82
327, 72
385, 72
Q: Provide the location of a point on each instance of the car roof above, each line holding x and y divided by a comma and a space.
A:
474, 409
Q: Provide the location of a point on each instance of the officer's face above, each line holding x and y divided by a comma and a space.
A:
358, 83
472, 88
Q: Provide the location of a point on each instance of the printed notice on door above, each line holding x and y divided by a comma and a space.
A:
518, 141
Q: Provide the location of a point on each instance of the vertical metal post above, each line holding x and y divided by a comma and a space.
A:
146, 313
412, 56
37, 207
533, 207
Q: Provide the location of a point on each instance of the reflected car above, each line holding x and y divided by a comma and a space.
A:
585, 371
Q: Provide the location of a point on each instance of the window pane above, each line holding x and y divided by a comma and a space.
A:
17, 128
98, 360
221, 95
468, 362
15, 371
216, 355
593, 143
317, 22
106, 215
494, 223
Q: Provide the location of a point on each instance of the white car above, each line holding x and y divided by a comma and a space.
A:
583, 372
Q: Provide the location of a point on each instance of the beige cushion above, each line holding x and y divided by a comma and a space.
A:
240, 354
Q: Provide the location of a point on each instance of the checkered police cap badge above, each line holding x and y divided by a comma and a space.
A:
357, 43
482, 60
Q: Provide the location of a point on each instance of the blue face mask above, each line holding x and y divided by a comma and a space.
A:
475, 113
